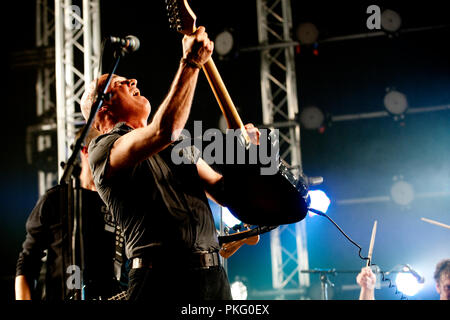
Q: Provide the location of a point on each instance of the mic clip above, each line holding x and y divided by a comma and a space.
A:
124, 45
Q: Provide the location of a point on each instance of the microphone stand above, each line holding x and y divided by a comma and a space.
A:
324, 281
71, 178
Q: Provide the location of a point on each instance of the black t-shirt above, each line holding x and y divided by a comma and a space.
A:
47, 229
156, 203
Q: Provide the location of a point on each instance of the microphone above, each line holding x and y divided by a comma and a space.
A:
129, 43
416, 275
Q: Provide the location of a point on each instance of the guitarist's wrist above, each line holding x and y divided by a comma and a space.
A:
190, 63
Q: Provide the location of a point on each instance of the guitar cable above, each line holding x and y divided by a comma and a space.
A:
320, 213
383, 277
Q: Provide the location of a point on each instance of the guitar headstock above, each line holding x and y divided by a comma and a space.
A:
181, 16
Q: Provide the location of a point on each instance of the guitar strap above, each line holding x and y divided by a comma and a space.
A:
119, 252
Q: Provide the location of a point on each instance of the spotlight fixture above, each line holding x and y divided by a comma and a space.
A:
395, 103
407, 283
318, 201
239, 290
307, 33
390, 20
224, 43
228, 218
402, 193
312, 118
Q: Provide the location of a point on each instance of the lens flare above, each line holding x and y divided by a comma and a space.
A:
319, 201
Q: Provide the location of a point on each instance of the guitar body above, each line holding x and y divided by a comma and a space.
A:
254, 198
264, 200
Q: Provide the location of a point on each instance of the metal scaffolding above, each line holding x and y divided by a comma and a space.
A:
77, 56
66, 59
42, 136
280, 108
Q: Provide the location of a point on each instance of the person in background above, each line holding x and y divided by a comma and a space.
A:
366, 279
45, 238
442, 278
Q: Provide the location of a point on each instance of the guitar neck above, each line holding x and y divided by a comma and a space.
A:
223, 98
183, 19
119, 296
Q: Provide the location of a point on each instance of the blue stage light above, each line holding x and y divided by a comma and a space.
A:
407, 283
318, 201
228, 218
239, 290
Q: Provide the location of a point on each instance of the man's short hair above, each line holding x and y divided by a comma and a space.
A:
442, 268
88, 99
90, 95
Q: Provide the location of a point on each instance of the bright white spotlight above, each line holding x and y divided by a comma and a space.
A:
395, 102
402, 193
239, 290
228, 218
407, 283
319, 201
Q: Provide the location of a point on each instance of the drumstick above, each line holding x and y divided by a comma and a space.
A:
435, 222
372, 242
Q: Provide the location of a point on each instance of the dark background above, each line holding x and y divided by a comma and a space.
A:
357, 159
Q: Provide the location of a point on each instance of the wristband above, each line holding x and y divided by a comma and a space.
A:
191, 63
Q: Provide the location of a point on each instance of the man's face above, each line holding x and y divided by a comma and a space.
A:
126, 100
443, 287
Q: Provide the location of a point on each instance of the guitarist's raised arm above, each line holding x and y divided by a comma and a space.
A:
128, 106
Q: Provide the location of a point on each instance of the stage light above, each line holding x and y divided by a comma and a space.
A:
307, 33
228, 218
312, 117
319, 201
225, 44
402, 193
239, 290
407, 283
390, 20
395, 103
